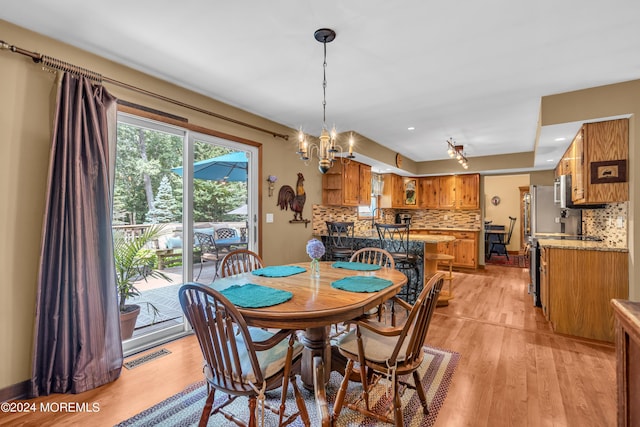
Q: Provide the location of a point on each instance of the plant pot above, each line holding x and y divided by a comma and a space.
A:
128, 321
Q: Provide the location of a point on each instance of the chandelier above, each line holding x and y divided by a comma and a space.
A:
457, 152
327, 150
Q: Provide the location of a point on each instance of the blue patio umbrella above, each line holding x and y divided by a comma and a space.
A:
228, 167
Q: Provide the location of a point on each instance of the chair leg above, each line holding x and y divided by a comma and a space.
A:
252, 411
200, 272
206, 411
300, 402
343, 390
397, 404
421, 394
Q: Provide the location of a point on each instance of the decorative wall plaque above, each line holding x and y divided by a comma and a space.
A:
608, 171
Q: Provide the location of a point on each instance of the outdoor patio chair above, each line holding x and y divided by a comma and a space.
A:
239, 361
208, 251
389, 352
226, 233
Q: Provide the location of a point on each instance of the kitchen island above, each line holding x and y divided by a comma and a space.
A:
419, 245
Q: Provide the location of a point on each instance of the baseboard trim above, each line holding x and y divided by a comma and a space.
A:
15, 391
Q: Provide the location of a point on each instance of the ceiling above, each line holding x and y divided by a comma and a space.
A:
471, 71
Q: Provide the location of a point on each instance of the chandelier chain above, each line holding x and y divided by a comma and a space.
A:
324, 85
327, 150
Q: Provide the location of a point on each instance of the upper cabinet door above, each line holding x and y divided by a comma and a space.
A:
447, 189
467, 191
429, 192
365, 185
351, 184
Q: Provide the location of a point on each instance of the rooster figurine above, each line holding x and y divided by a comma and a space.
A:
287, 198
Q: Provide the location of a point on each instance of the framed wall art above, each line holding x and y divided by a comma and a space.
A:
608, 171
410, 187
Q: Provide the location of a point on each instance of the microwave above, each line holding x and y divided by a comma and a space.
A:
562, 195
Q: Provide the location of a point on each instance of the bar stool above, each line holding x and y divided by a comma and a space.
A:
340, 240
445, 295
394, 238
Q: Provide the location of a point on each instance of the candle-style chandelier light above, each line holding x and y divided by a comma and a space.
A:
328, 149
457, 152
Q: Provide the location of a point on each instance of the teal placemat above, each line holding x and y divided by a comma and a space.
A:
361, 284
279, 271
360, 266
255, 296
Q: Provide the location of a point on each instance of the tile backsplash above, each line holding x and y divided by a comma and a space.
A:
609, 223
420, 218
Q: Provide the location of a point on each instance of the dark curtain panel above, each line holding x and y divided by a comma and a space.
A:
77, 332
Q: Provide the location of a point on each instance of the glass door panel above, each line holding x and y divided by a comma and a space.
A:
224, 174
181, 183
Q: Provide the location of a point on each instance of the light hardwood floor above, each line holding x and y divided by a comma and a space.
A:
514, 371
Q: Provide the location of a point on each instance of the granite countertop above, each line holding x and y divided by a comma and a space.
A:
426, 238
580, 244
445, 229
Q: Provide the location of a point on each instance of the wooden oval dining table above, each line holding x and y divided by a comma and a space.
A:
314, 306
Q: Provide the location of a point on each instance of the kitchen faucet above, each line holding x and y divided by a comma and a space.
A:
373, 217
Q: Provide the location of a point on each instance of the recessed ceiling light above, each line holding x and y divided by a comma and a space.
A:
560, 139
411, 128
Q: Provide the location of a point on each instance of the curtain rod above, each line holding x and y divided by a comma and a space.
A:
57, 64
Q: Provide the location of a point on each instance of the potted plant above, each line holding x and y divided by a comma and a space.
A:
134, 261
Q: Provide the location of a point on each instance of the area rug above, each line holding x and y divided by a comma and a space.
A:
521, 261
185, 408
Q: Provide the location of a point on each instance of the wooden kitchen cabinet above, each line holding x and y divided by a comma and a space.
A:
467, 188
447, 192
347, 184
395, 192
450, 192
460, 191
581, 284
429, 192
464, 249
364, 198
598, 153
565, 165
544, 282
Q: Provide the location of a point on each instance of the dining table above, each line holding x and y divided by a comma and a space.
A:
315, 304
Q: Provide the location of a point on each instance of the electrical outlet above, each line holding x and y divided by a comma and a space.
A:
477, 217
557, 219
620, 222
446, 217
269, 217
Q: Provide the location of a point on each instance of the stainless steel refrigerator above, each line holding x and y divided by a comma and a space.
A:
545, 215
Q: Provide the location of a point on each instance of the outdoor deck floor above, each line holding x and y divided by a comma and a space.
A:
163, 295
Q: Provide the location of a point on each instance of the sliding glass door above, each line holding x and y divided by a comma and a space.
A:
183, 185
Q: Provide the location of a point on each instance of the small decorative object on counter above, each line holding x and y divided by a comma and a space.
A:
271, 180
315, 250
